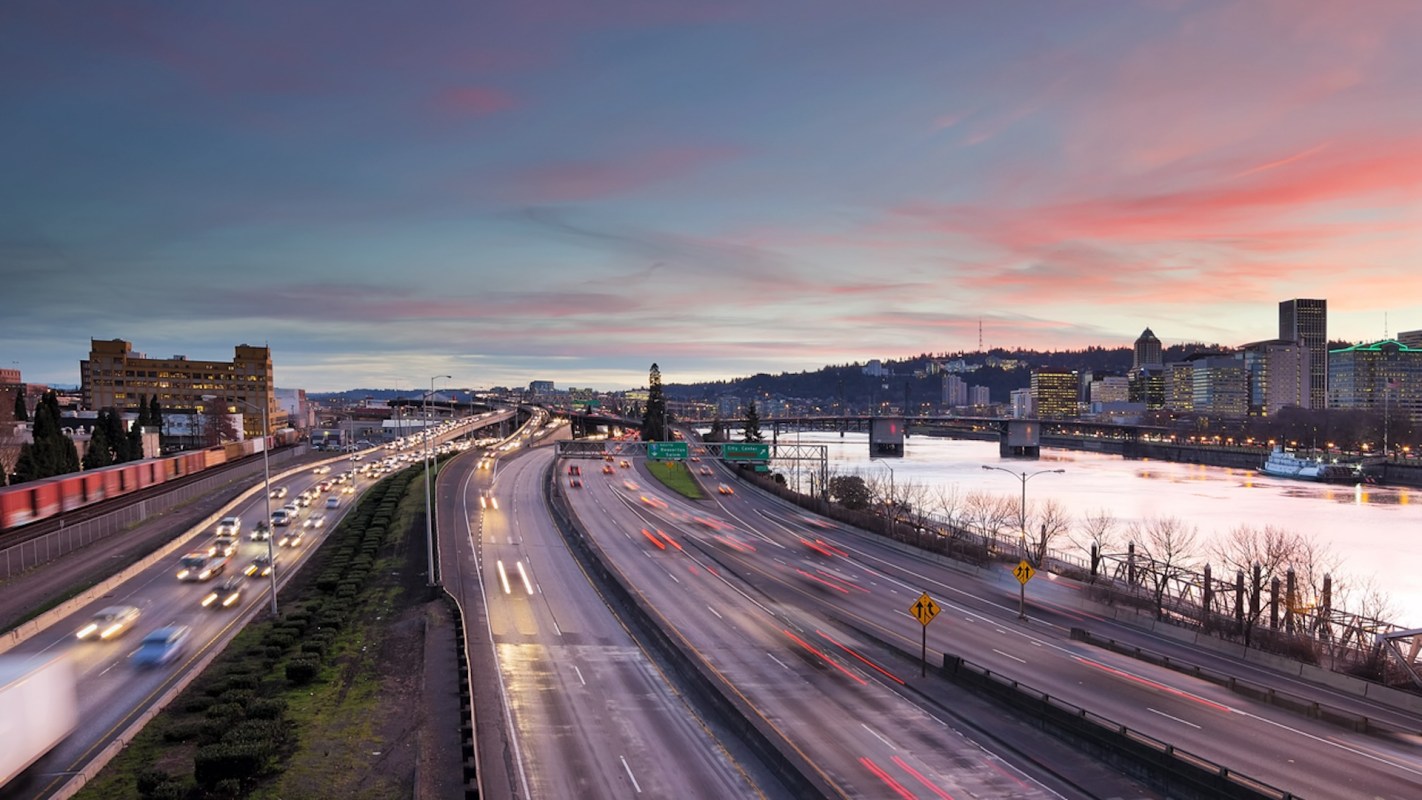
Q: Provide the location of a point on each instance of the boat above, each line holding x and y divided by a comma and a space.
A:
1284, 464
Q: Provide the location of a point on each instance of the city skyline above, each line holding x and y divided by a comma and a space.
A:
545, 191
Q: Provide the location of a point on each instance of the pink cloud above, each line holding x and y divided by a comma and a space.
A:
474, 101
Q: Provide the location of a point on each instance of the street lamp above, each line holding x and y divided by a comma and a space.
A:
267, 486
1022, 509
1022, 522
429, 520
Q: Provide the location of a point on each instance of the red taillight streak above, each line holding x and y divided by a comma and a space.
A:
888, 779
654, 540
910, 770
846, 649
827, 659
822, 580
669, 539
831, 548
1152, 684
843, 580
815, 547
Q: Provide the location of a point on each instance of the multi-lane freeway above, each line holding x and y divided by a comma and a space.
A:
576, 708
810, 622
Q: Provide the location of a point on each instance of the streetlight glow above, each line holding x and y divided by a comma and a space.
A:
1023, 476
266, 487
429, 519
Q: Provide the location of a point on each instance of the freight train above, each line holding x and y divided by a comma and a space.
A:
28, 502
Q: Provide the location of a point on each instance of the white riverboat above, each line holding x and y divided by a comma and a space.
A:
1283, 464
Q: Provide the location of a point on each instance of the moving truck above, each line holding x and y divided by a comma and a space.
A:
38, 709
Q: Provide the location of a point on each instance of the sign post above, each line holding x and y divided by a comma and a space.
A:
1023, 572
924, 610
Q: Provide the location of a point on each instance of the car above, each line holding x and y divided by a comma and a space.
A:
291, 537
224, 545
261, 533
574, 469
487, 500
325, 486
576, 483
607, 469
260, 567
293, 510
161, 646
303, 500
357, 457
348, 490
109, 623
279, 492
316, 522
282, 517
321, 470
201, 566
724, 489
333, 502
229, 525
226, 594
625, 464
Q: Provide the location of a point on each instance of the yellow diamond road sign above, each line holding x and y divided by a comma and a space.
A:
924, 609
1023, 572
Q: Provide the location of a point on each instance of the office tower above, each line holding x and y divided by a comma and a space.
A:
1147, 352
1307, 321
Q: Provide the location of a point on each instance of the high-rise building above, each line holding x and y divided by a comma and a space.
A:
1178, 385
1147, 351
1219, 386
1411, 338
1148, 387
1307, 321
1383, 377
955, 391
1054, 393
979, 396
114, 376
1278, 372
1110, 389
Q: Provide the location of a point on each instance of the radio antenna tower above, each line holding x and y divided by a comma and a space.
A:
980, 334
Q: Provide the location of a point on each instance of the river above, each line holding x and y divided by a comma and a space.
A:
1369, 528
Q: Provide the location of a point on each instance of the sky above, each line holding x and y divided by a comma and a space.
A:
573, 190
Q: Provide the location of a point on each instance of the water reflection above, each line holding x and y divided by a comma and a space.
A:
1371, 528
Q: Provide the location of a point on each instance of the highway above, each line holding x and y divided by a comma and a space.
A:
570, 706
113, 693
807, 620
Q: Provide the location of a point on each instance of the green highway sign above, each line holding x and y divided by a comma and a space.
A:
748, 451
667, 451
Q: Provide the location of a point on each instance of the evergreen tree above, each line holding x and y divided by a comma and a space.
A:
21, 413
142, 421
718, 429
135, 442
654, 421
98, 454
155, 414
25, 468
115, 435
752, 424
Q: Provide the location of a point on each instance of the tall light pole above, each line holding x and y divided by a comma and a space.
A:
1022, 509
267, 486
1022, 522
429, 519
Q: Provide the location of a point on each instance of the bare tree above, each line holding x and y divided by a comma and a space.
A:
989, 514
1101, 527
1271, 547
1049, 522
1170, 545
947, 504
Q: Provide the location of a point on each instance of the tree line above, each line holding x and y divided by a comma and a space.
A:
50, 452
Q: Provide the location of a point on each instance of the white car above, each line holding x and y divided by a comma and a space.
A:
229, 526
108, 623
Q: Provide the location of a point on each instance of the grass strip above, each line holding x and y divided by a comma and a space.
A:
677, 477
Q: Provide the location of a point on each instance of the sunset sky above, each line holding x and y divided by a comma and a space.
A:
571, 190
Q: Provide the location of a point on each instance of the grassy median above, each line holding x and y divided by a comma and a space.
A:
677, 477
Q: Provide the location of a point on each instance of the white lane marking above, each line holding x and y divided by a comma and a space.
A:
776, 660
673, 577
557, 629
1011, 656
503, 577
522, 573
630, 775
877, 736
580, 675
714, 611
1177, 719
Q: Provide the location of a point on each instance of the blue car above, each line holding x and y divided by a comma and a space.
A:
162, 646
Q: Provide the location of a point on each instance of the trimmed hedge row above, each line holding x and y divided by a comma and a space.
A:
233, 714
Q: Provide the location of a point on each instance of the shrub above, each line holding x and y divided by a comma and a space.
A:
190, 729
301, 671
280, 639
149, 778
314, 648
229, 713
266, 708
225, 761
